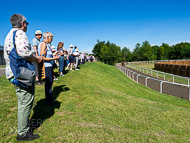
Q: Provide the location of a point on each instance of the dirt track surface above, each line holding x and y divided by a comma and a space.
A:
170, 89
2, 71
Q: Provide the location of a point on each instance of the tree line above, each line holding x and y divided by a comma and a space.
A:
111, 53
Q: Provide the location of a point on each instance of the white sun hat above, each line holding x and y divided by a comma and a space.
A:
38, 32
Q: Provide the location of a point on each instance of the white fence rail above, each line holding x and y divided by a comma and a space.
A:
150, 72
132, 74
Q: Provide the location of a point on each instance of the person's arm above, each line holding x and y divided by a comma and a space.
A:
36, 59
55, 53
35, 48
23, 47
43, 52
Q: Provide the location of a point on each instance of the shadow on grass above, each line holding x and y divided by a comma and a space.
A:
57, 74
43, 111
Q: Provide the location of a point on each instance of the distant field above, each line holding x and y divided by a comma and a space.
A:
2, 66
148, 66
99, 103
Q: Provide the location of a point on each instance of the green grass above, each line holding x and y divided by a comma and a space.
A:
148, 66
160, 75
2, 66
99, 103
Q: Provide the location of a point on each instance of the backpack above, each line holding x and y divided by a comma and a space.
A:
23, 70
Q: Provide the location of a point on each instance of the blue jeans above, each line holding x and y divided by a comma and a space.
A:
61, 64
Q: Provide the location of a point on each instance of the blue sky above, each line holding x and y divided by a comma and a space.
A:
123, 22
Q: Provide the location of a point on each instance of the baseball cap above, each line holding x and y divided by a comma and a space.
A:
71, 45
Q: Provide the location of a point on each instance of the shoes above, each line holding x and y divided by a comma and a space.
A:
39, 83
61, 74
29, 136
54, 78
71, 69
76, 69
66, 68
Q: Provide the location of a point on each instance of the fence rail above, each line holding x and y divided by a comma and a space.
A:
157, 84
164, 75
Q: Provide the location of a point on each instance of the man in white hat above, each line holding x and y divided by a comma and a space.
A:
34, 44
76, 53
71, 57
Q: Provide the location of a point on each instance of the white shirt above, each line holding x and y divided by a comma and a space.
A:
23, 48
76, 53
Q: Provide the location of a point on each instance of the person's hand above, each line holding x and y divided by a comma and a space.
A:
53, 50
55, 53
56, 58
39, 59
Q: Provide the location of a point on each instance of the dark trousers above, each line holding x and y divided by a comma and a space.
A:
48, 84
61, 64
65, 63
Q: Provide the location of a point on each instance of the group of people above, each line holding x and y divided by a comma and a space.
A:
71, 57
39, 53
67, 58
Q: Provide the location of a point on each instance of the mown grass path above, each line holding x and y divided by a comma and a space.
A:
99, 103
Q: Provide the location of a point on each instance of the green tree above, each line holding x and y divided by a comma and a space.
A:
136, 52
126, 54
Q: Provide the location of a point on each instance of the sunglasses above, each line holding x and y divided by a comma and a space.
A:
24, 22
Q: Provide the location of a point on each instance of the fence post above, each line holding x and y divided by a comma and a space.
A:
138, 78
161, 86
157, 74
173, 78
146, 81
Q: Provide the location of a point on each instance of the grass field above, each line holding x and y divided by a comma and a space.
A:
99, 103
1, 66
160, 75
148, 66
